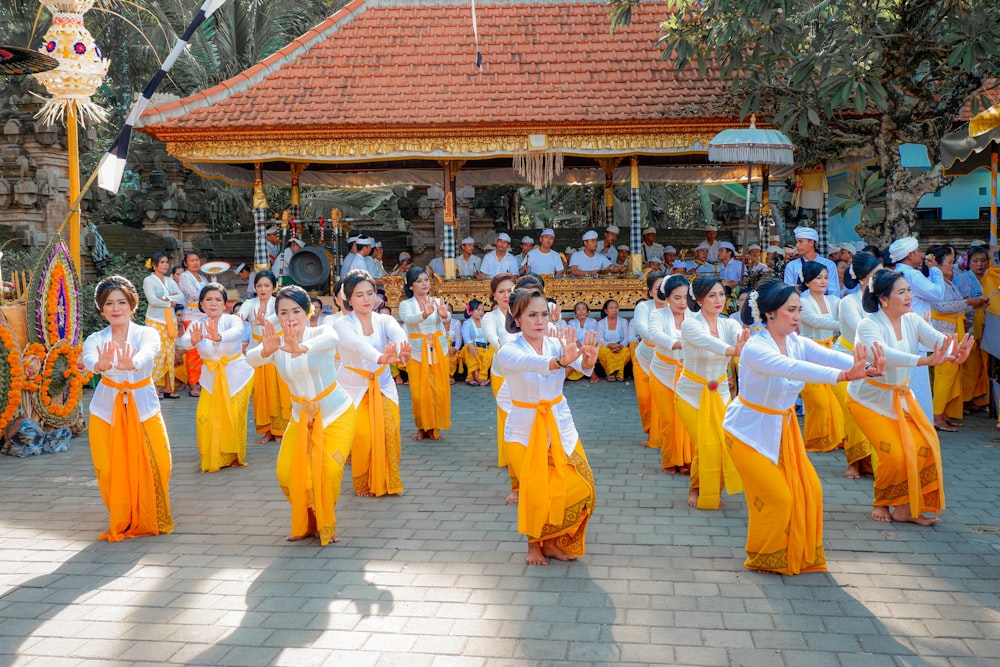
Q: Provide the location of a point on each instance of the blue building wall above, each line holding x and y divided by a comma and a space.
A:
961, 200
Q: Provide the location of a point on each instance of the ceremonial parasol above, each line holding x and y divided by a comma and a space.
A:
751, 146
14, 60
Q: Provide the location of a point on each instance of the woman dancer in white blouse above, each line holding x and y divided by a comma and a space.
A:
707, 344
495, 329
191, 283
557, 486
221, 417
272, 402
784, 495
370, 343
666, 430
857, 448
316, 445
908, 477
128, 439
162, 294
824, 417
426, 319
644, 350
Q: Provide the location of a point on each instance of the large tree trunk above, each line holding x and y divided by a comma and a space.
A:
903, 189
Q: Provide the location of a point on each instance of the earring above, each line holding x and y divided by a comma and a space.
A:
770, 317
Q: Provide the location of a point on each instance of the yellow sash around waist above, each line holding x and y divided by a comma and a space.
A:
132, 501
380, 461
901, 392
542, 497
193, 305
222, 418
826, 342
678, 367
171, 321
957, 319
848, 345
309, 447
801, 527
440, 368
712, 460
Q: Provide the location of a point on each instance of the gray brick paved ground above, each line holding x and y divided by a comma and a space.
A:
436, 576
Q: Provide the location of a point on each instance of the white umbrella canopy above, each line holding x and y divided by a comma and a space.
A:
751, 145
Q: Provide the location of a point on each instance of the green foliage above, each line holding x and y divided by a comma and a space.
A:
865, 189
845, 78
132, 267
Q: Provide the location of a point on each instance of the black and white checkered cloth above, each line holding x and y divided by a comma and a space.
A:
260, 220
823, 225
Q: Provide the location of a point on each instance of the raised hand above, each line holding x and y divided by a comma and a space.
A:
212, 330
878, 360
741, 341
589, 349
270, 341
405, 352
293, 338
259, 316
940, 353
427, 308
570, 349
389, 356
961, 353
442, 308
106, 357
860, 367
197, 333
125, 355
555, 313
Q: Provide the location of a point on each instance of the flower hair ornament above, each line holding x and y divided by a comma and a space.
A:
149, 263
468, 312
802, 278
850, 270
691, 291
754, 310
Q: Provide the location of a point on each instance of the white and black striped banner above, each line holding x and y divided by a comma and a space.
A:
112, 167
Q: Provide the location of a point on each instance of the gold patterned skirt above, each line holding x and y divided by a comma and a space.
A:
163, 363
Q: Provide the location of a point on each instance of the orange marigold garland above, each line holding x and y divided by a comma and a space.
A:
32, 359
60, 372
10, 380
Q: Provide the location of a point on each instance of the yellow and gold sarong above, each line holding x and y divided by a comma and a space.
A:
222, 420
132, 463
614, 363
479, 361
163, 363
947, 381
643, 394
711, 467
975, 383
430, 391
310, 467
824, 422
557, 497
272, 401
377, 449
909, 467
784, 502
676, 447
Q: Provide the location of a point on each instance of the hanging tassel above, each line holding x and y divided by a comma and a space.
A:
539, 167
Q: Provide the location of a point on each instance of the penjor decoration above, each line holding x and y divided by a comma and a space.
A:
81, 65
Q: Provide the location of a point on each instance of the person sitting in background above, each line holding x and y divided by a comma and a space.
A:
606, 246
621, 260
587, 262
467, 265
612, 341
581, 323
404, 264
477, 351
669, 256
243, 273
527, 245
437, 264
700, 262
730, 270
456, 343
499, 260
543, 260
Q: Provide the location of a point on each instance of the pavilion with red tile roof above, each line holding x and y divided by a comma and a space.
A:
388, 92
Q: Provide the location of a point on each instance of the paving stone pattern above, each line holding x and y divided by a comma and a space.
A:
437, 575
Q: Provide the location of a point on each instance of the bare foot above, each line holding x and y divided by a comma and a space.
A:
277, 439
267, 437
365, 494
550, 550
535, 556
852, 472
594, 378
693, 498
335, 538
296, 538
670, 470
684, 470
880, 513
902, 513
644, 443
433, 435
419, 435
512, 497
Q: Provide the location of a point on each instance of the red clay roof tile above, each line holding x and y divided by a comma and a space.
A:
395, 65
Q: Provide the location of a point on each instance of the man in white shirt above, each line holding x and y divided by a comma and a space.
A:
669, 255
376, 268
650, 248
360, 251
700, 262
730, 269
280, 266
500, 261
544, 260
527, 245
926, 290
437, 264
587, 263
621, 264
806, 239
608, 246
713, 245
243, 272
273, 243
467, 265
754, 265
